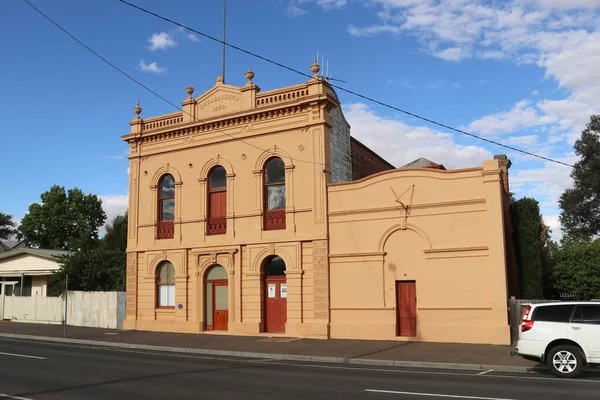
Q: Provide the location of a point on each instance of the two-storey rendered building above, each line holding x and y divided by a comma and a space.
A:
256, 213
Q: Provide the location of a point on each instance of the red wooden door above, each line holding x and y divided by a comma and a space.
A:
217, 305
221, 312
406, 306
217, 212
275, 304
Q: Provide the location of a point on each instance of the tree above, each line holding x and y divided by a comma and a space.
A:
116, 234
6, 226
577, 269
63, 220
580, 215
98, 268
529, 237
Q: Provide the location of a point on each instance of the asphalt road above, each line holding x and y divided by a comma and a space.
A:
40, 370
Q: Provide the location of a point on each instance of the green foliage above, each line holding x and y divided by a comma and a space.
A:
116, 234
63, 220
529, 239
577, 269
580, 215
99, 268
7, 226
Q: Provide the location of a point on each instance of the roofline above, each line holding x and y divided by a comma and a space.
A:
33, 252
405, 171
352, 138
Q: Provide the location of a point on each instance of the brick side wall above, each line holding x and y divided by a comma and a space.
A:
341, 163
511, 259
366, 162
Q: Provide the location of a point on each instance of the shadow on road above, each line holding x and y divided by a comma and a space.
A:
139, 378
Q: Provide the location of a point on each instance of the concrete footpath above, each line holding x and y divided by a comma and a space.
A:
360, 352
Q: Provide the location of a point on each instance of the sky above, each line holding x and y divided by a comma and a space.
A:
522, 73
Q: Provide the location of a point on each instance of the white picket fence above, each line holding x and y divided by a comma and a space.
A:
92, 309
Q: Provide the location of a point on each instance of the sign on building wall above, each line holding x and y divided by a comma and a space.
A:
271, 290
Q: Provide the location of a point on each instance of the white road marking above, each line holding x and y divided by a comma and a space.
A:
485, 372
22, 355
8, 396
527, 375
451, 396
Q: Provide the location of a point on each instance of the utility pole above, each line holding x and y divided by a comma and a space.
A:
224, 27
66, 300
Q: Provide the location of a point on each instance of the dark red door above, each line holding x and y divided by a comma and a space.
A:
406, 306
275, 303
221, 315
217, 310
217, 212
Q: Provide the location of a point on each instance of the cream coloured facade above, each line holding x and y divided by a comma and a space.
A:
243, 220
25, 271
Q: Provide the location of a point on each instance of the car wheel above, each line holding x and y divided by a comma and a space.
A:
565, 361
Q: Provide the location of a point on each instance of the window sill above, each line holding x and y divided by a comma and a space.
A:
165, 310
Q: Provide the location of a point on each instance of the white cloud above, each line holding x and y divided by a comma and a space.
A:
332, 3
372, 30
569, 4
493, 54
113, 205
152, 67
553, 221
294, 11
560, 36
388, 137
184, 33
522, 115
535, 93
161, 41
523, 141
452, 54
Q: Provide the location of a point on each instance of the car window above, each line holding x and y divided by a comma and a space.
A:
587, 315
553, 313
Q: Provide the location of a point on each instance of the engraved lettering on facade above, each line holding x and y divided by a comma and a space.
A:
219, 98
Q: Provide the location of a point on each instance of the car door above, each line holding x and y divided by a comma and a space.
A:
585, 330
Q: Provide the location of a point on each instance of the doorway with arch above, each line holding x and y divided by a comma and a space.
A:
275, 292
216, 299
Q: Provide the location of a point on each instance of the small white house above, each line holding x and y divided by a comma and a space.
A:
25, 271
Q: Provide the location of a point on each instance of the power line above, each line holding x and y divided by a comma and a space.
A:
147, 88
381, 103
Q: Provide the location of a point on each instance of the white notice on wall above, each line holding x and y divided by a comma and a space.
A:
283, 290
271, 290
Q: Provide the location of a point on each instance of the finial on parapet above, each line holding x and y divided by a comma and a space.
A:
249, 75
137, 109
189, 90
315, 68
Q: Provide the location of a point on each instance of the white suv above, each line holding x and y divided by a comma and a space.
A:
564, 335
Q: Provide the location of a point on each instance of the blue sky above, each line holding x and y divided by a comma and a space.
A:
520, 72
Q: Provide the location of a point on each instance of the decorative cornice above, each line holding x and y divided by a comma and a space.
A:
456, 249
221, 124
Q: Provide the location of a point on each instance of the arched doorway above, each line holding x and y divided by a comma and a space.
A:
216, 299
275, 295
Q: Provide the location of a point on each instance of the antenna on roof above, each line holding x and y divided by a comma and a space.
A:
325, 70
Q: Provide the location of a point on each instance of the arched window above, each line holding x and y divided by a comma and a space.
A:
274, 194
165, 285
217, 201
166, 207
